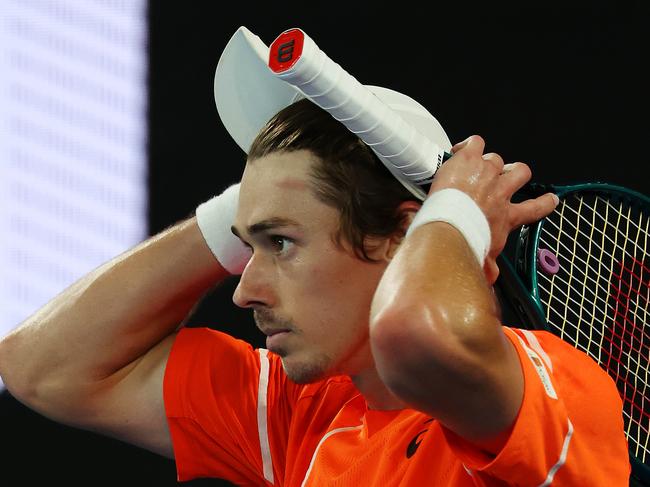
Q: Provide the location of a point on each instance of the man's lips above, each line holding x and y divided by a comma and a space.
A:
269, 332
274, 338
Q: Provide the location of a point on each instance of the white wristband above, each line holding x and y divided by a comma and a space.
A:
215, 217
459, 210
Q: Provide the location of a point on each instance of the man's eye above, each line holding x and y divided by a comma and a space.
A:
280, 244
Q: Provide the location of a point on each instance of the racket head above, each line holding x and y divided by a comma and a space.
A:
586, 267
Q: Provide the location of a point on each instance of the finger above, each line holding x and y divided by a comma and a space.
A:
459, 146
474, 143
532, 210
515, 175
495, 159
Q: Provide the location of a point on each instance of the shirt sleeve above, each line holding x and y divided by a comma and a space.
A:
569, 429
219, 393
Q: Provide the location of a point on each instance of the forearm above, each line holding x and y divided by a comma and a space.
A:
436, 280
437, 338
110, 317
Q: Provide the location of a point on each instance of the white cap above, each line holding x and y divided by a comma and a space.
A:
248, 95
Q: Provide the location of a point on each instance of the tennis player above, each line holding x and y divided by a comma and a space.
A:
386, 361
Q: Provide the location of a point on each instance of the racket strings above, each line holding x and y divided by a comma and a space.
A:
599, 315
623, 371
599, 299
591, 228
594, 290
588, 270
599, 222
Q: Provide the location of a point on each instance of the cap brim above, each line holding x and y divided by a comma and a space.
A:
246, 92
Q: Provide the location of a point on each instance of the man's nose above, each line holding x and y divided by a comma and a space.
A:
254, 286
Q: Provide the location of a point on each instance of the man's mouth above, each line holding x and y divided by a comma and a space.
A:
273, 331
274, 338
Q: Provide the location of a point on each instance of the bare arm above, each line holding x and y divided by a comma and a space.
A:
435, 323
94, 356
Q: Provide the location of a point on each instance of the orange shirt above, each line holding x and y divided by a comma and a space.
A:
234, 414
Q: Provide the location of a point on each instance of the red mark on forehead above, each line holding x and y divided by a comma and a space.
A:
292, 183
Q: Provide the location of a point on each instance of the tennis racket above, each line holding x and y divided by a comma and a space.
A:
583, 274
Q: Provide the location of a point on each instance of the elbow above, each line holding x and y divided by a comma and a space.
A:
46, 393
11, 372
417, 347
26, 380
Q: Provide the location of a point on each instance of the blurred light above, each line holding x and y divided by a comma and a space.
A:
73, 162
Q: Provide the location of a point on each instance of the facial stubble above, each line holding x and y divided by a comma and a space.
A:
301, 372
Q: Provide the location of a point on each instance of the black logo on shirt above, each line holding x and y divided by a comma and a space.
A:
412, 447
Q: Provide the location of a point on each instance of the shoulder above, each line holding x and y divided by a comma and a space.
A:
206, 338
571, 415
557, 354
580, 380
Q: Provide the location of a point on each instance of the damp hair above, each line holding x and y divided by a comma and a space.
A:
347, 175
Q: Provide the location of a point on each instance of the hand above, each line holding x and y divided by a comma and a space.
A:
492, 184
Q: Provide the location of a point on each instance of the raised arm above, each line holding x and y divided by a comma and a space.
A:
435, 323
94, 356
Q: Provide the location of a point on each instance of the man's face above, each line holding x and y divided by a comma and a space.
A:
298, 281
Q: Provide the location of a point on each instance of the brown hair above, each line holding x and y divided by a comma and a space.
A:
348, 177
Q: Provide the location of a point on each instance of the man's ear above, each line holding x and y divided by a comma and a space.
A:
385, 250
407, 210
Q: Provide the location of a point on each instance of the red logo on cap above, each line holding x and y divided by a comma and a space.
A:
285, 50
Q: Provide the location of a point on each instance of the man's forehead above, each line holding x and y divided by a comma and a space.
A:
279, 186
280, 202
273, 189
281, 164
277, 172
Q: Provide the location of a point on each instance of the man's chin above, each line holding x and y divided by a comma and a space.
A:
305, 372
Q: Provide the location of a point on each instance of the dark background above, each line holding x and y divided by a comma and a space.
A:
561, 88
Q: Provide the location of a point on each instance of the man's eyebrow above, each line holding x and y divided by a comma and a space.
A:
268, 224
